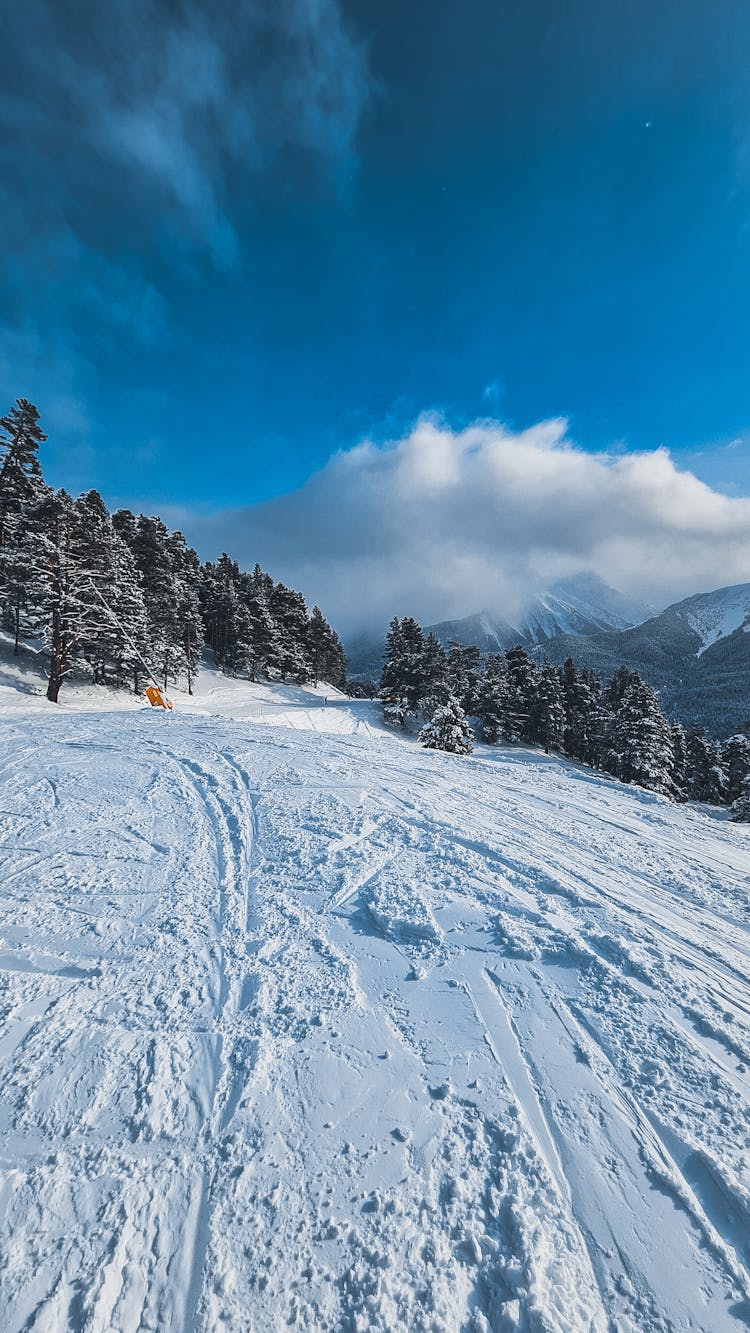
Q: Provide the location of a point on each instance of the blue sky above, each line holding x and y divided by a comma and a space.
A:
438, 301
234, 247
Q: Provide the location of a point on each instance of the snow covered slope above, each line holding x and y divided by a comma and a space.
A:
308, 707
718, 614
325, 1031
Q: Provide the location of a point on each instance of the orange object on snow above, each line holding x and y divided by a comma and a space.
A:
156, 698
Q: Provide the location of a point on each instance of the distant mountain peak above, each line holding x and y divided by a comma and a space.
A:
716, 615
578, 604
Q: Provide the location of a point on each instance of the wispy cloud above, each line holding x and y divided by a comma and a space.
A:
164, 110
442, 523
135, 135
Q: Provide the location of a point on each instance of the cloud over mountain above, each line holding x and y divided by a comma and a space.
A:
442, 522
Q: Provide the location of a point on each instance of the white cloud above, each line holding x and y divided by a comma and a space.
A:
442, 523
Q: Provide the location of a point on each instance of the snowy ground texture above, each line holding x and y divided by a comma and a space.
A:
312, 1028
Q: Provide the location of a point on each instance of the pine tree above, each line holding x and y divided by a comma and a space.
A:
92, 539
166, 652
462, 674
640, 747
597, 720
390, 676
125, 525
62, 589
20, 552
129, 642
741, 804
581, 697
521, 683
263, 630
447, 730
327, 658
21, 493
412, 664
618, 686
547, 712
186, 582
491, 708
89, 606
20, 472
403, 675
735, 764
290, 614
608, 743
435, 687
243, 658
679, 763
239, 624
219, 604
705, 777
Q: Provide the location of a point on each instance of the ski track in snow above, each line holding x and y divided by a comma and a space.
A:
327, 1032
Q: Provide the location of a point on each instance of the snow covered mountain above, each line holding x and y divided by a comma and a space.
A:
581, 604
717, 615
326, 1031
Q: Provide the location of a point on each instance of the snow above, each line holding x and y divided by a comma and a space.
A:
305, 1026
715, 615
318, 707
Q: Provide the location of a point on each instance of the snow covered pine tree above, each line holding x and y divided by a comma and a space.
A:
546, 724
21, 492
493, 696
448, 730
640, 746
741, 806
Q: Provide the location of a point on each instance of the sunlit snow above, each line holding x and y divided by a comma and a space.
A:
304, 1026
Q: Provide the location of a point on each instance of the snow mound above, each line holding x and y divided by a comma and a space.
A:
401, 910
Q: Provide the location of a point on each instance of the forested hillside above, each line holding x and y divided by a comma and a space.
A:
618, 727
119, 595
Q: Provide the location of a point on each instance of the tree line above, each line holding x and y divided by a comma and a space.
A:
617, 727
118, 595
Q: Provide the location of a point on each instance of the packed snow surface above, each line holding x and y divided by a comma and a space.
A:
304, 1026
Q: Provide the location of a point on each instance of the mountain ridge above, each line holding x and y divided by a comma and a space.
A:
580, 604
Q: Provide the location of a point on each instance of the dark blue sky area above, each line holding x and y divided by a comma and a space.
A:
233, 246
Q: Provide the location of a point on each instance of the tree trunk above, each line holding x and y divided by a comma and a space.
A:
57, 664
53, 687
189, 666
